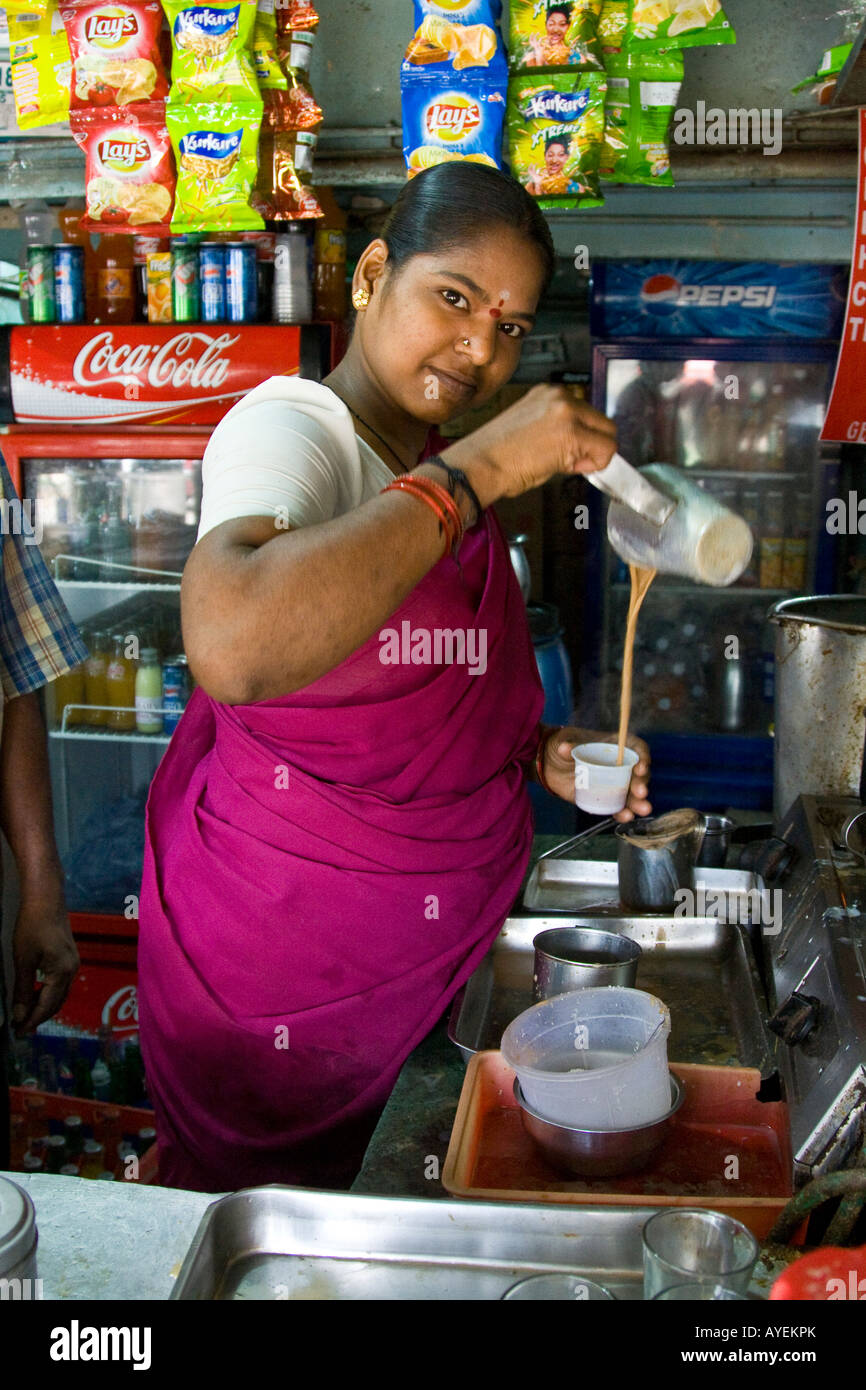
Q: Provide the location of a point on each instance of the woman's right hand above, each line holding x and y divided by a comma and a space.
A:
547, 432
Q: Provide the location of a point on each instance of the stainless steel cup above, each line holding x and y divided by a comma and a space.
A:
655, 862
717, 840
568, 958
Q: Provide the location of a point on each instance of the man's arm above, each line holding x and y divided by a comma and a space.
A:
42, 939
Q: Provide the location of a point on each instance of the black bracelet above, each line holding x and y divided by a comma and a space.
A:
456, 477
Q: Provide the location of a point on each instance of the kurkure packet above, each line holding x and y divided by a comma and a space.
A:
129, 174
211, 51
455, 35
39, 63
215, 149
642, 94
115, 52
462, 119
658, 24
549, 35
555, 133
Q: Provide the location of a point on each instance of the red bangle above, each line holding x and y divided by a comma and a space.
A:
539, 761
440, 502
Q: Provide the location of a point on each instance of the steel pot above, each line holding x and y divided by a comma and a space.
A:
820, 697
18, 1236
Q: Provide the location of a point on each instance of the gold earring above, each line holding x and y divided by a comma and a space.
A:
361, 298
465, 342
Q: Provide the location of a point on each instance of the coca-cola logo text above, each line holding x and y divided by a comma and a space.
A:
120, 1010
189, 359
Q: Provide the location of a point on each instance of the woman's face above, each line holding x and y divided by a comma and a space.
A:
446, 332
554, 158
557, 26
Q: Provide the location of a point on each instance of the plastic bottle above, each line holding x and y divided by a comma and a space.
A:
68, 689
95, 671
329, 276
73, 234
39, 227
100, 1078
148, 693
293, 298
115, 286
120, 687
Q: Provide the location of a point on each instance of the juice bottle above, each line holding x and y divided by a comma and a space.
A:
148, 693
73, 234
120, 687
68, 689
329, 280
95, 669
115, 286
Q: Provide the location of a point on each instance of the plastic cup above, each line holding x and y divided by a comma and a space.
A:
600, 786
700, 1293
557, 1287
683, 1245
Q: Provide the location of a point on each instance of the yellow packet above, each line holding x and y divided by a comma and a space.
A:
40, 63
270, 75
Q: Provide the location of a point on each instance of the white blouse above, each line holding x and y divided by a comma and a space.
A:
288, 450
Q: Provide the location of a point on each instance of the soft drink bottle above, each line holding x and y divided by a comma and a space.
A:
329, 276
115, 287
39, 227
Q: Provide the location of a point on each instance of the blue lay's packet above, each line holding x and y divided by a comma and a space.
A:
455, 35
443, 121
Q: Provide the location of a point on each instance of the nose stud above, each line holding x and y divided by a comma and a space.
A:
465, 342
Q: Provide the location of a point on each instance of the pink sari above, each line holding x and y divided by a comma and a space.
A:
322, 873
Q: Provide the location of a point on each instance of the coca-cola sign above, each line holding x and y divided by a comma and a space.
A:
143, 374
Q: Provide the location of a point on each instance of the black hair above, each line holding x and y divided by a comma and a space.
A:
451, 204
564, 10
563, 140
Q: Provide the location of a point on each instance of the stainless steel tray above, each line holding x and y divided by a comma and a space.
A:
573, 885
291, 1243
702, 968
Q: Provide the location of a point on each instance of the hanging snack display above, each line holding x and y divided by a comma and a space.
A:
39, 63
215, 149
555, 130
129, 174
613, 24
290, 126
212, 51
548, 35
642, 94
115, 53
655, 24
455, 36
293, 15
266, 62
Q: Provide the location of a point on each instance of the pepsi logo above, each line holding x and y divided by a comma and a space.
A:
661, 294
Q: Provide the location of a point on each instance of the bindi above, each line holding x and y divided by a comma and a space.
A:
497, 312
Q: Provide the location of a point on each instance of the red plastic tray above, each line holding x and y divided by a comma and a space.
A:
92, 1112
491, 1156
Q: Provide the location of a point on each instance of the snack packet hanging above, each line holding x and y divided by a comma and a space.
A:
555, 133
211, 51
284, 191
658, 24
296, 14
215, 148
642, 94
613, 24
115, 52
269, 74
549, 35
129, 172
456, 35
39, 63
444, 122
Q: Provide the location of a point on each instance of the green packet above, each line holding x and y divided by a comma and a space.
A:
831, 65
210, 50
548, 35
642, 94
555, 133
613, 23
215, 147
655, 24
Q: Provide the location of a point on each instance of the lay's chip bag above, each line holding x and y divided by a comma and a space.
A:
452, 36
39, 63
115, 52
444, 122
658, 24
215, 147
545, 34
555, 134
642, 94
129, 173
211, 50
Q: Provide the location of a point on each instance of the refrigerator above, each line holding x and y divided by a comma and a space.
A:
724, 370
105, 429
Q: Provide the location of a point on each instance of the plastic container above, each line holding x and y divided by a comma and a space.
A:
18, 1237
593, 1058
600, 786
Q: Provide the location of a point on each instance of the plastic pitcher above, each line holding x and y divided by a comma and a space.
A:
593, 1058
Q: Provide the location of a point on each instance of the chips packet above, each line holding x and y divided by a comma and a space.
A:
456, 35
115, 52
215, 149
658, 24
211, 51
555, 134
445, 121
613, 24
829, 68
549, 35
266, 62
296, 14
642, 94
39, 63
283, 191
129, 172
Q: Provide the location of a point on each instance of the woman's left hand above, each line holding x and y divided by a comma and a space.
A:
559, 768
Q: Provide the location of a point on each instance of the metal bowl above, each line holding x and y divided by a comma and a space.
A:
598, 1153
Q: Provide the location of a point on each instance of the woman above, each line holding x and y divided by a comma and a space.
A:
341, 823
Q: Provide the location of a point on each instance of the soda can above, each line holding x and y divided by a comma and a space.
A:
185, 297
212, 272
174, 692
40, 281
159, 287
241, 282
69, 284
